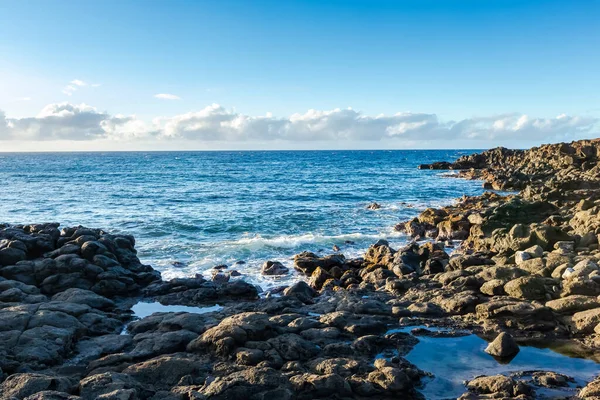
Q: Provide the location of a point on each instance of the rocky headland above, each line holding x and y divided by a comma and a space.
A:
514, 268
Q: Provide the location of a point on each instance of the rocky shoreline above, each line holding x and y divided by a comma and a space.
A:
514, 268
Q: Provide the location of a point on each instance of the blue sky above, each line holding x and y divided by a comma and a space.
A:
474, 61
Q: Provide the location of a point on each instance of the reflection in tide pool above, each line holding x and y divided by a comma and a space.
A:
142, 310
453, 360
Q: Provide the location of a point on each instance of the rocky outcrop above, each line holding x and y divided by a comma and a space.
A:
525, 264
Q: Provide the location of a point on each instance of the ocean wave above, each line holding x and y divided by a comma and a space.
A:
293, 241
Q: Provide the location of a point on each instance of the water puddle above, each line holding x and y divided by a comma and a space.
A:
142, 309
453, 360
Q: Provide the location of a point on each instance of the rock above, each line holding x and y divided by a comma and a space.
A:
529, 287
245, 356
521, 256
499, 385
551, 379
426, 309
167, 370
318, 278
564, 247
19, 386
220, 277
591, 390
249, 383
581, 270
273, 268
390, 380
301, 290
585, 287
573, 304
149, 344
503, 346
585, 321
320, 386
112, 385
307, 262
82, 296
95, 347
11, 256
493, 287
374, 206
293, 347
339, 366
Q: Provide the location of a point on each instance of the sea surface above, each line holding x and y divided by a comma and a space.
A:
191, 211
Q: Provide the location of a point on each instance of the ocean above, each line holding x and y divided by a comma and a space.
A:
191, 211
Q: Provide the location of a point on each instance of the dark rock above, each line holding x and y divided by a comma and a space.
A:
503, 346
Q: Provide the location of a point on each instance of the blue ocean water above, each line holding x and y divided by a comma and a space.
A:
190, 211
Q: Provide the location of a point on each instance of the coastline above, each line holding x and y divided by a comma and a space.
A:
526, 266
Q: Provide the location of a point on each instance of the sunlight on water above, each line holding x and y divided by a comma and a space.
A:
191, 211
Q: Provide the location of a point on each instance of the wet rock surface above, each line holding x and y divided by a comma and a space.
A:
522, 268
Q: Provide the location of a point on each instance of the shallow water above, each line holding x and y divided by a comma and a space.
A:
144, 309
453, 360
191, 211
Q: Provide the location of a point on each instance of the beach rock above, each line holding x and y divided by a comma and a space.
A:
307, 262
300, 290
167, 370
586, 321
591, 390
390, 380
11, 256
503, 346
82, 296
498, 385
318, 278
573, 304
273, 268
249, 383
112, 385
19, 386
320, 386
529, 287
493, 287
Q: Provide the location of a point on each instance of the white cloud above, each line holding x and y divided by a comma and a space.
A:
167, 96
75, 85
66, 121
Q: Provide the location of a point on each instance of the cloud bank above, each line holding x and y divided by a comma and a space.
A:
72, 122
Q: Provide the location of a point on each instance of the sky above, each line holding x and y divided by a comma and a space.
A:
196, 75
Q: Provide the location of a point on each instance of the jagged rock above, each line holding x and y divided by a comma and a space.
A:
503, 346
